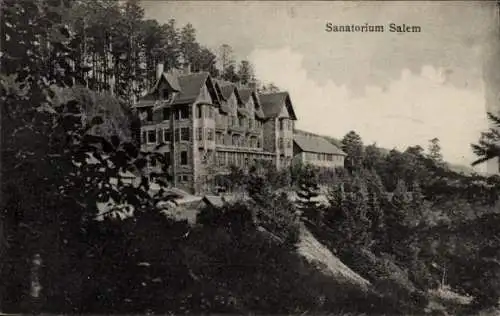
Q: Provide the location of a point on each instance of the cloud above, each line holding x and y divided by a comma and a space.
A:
408, 111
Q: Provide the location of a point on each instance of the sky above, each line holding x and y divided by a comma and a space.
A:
394, 89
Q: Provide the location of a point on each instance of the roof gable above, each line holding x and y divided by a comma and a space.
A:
316, 144
188, 88
284, 113
191, 87
273, 103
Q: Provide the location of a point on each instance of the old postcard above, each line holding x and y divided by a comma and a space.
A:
250, 157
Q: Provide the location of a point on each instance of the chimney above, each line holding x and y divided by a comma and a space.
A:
159, 70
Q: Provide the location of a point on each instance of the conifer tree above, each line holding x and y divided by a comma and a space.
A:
352, 145
396, 214
308, 191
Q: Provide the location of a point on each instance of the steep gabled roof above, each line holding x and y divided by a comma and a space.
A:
245, 94
188, 87
218, 88
191, 85
227, 88
272, 103
170, 79
316, 144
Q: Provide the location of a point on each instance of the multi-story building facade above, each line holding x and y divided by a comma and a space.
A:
203, 126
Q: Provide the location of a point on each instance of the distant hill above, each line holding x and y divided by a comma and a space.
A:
466, 170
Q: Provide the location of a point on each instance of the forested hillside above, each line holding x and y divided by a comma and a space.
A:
118, 49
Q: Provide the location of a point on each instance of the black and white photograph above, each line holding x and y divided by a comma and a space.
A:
249, 157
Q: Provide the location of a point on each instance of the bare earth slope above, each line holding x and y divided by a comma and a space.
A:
316, 253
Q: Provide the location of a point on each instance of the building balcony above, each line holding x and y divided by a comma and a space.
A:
237, 128
220, 126
254, 130
227, 148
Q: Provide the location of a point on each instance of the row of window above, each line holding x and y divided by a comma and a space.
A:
238, 121
209, 111
286, 124
285, 142
209, 133
323, 157
183, 134
182, 113
241, 121
153, 137
237, 159
238, 141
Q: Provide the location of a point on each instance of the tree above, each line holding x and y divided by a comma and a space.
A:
307, 192
269, 88
347, 216
373, 158
352, 145
435, 150
229, 74
68, 169
188, 44
396, 212
488, 146
205, 60
226, 57
245, 72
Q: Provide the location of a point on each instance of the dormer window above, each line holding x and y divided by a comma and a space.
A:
164, 95
147, 114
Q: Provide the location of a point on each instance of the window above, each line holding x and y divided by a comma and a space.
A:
234, 140
319, 157
152, 137
166, 114
289, 143
148, 112
164, 94
199, 133
199, 111
185, 133
330, 157
240, 121
184, 158
210, 134
177, 134
183, 113
167, 136
290, 126
219, 138
281, 125
280, 145
210, 112
201, 154
220, 158
210, 156
143, 137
